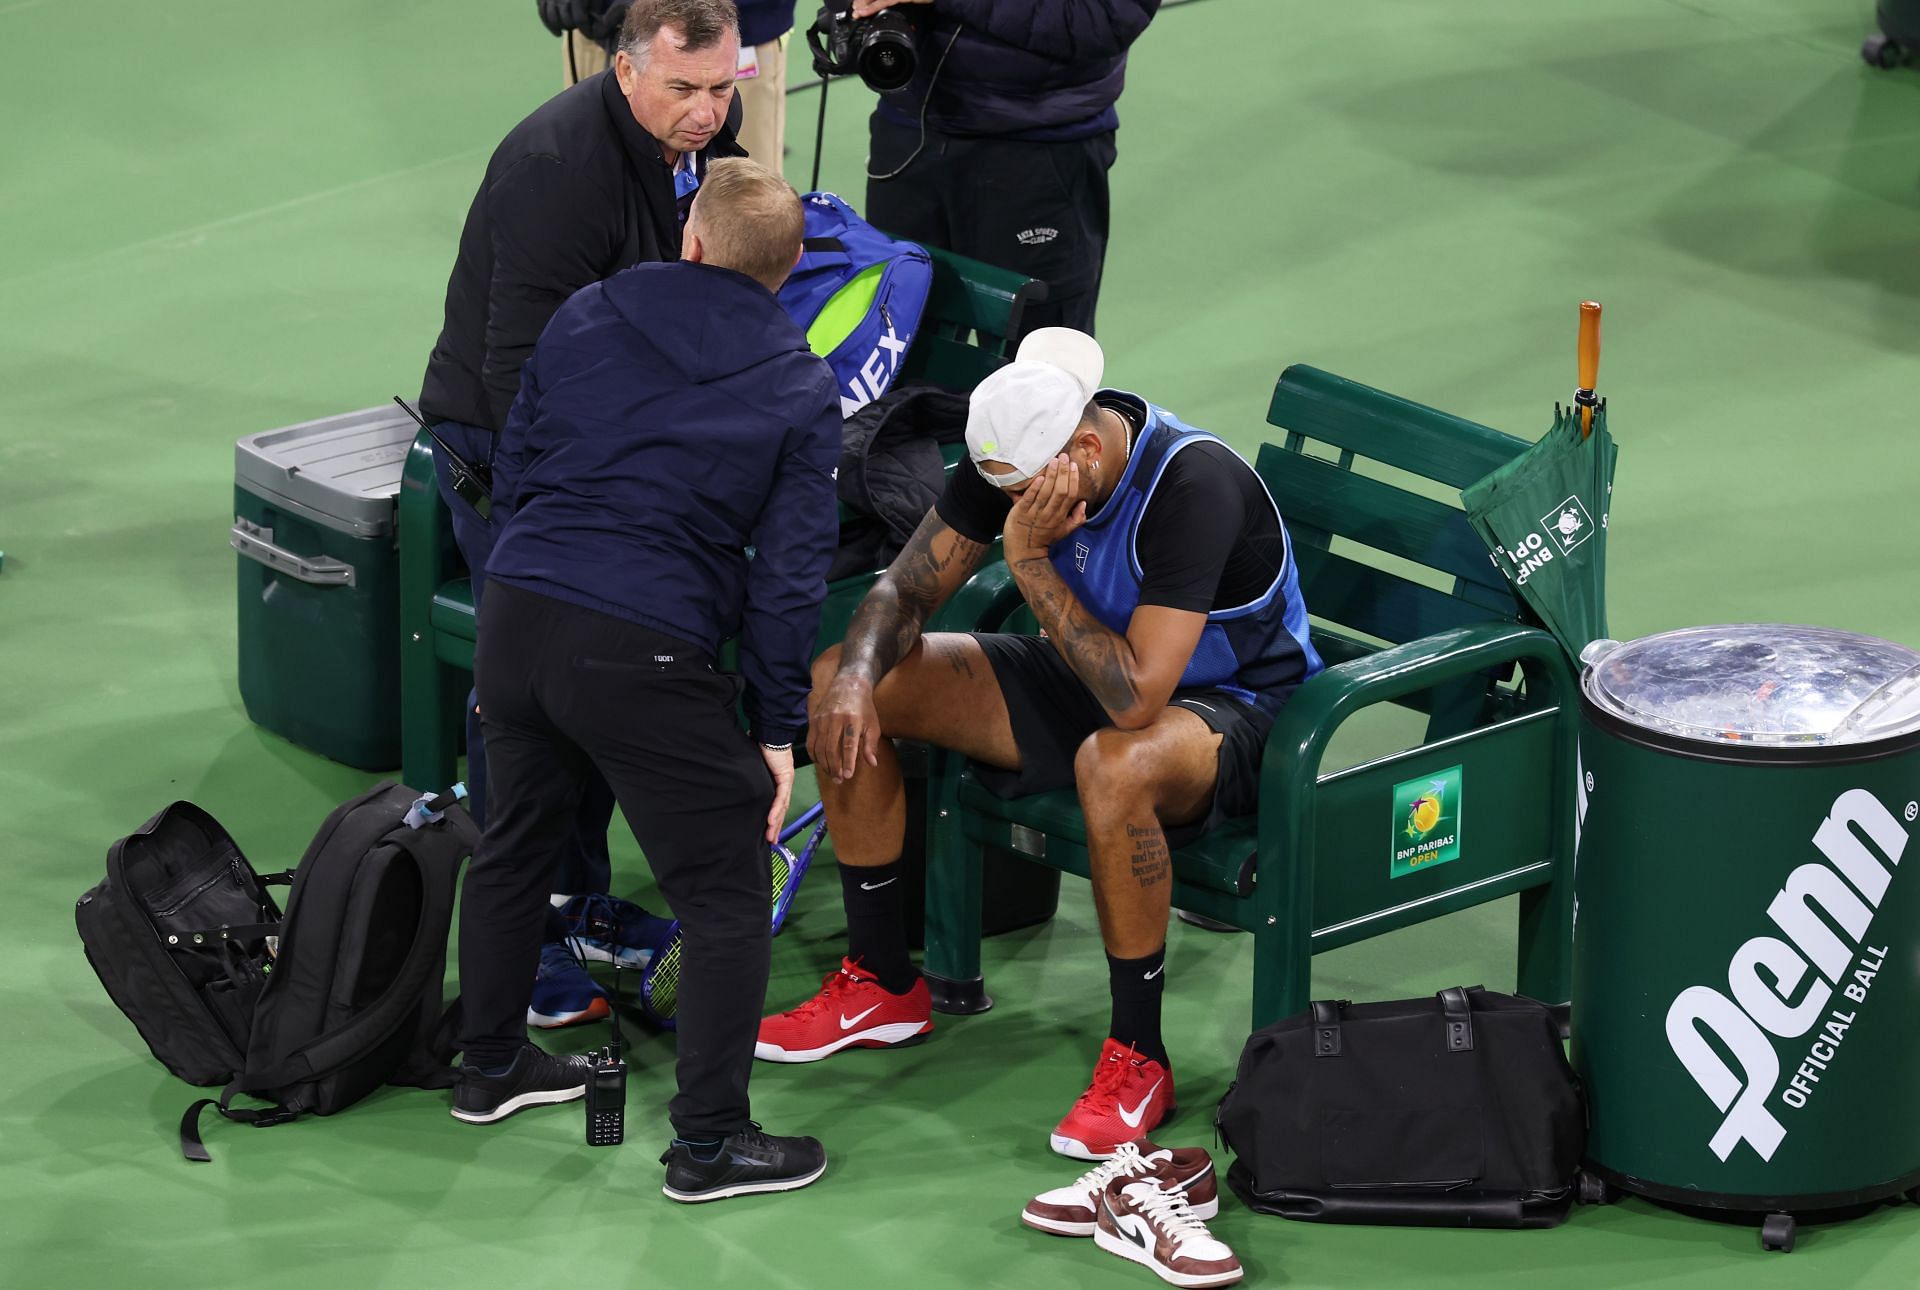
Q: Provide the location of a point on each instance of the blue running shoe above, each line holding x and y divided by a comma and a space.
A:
563, 993
607, 929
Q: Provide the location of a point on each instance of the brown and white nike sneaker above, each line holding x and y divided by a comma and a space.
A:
1142, 1221
1074, 1209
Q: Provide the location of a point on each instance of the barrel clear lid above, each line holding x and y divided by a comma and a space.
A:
1766, 683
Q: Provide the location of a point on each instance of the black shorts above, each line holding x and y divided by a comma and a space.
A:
1053, 712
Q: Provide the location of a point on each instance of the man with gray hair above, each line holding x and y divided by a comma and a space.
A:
671, 421
596, 180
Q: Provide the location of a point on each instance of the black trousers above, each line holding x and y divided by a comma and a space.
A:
1041, 209
583, 865
564, 691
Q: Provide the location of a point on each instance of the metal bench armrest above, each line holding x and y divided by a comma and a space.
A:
1306, 726
1300, 735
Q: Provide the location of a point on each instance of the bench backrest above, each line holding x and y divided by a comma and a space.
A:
1328, 495
973, 312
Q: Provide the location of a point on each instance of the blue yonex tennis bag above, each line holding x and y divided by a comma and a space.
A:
858, 294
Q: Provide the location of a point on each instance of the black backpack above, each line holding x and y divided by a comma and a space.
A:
151, 930
309, 1012
1456, 1110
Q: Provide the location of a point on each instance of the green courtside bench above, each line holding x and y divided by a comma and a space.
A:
971, 312
1316, 868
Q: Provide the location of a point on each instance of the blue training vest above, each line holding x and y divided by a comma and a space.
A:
1260, 651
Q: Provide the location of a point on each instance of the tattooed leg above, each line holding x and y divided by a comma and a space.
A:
1130, 783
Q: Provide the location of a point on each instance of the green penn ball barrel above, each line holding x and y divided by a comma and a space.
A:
1746, 955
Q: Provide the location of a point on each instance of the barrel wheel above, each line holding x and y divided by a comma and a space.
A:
1777, 1233
1883, 51
1592, 1189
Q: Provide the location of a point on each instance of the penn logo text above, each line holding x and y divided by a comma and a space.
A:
1824, 913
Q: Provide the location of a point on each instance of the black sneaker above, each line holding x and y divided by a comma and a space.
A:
536, 1078
746, 1162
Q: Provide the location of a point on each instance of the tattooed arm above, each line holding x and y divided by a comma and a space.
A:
930, 568
843, 728
1132, 676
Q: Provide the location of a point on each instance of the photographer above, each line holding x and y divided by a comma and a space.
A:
998, 146
589, 32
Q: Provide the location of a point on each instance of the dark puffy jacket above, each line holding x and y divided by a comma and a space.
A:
764, 20
671, 418
1025, 69
760, 20
576, 192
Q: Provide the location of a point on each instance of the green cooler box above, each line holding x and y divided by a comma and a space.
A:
1746, 949
314, 526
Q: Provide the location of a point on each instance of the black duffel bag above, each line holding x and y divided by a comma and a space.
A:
1458, 1110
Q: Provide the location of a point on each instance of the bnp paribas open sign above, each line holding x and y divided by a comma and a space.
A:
1747, 926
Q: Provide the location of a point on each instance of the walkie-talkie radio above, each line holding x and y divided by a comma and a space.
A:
607, 1081
607, 1099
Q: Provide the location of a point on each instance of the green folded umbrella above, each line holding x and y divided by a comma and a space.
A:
1544, 517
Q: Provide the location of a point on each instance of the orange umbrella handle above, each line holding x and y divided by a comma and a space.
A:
1589, 363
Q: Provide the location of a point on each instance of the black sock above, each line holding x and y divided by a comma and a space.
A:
1137, 986
876, 924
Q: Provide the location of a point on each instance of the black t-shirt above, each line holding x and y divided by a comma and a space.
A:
1209, 538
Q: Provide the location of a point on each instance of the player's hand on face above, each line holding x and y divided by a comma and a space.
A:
1047, 510
843, 726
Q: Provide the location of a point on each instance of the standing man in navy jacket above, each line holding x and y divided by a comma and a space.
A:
597, 179
999, 146
671, 419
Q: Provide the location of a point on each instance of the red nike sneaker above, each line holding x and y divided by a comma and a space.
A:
1074, 1210
1130, 1097
851, 1011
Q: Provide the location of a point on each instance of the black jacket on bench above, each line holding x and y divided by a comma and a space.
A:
575, 193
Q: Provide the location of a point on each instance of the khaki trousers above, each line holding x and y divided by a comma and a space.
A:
580, 58
763, 104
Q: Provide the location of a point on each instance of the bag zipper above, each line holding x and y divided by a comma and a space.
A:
183, 901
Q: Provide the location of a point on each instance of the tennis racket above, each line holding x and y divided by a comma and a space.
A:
660, 982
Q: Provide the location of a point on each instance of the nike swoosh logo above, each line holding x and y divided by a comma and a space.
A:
1124, 1229
876, 886
1131, 1117
848, 1023
1156, 972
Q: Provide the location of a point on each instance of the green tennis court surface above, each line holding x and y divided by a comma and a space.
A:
219, 217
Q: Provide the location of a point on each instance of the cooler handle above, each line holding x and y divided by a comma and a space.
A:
255, 542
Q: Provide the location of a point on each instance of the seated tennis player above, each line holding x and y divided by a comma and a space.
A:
1160, 570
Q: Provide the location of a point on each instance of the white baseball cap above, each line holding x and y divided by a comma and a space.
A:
1024, 414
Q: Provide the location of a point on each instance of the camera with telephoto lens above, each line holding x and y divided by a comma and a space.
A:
878, 49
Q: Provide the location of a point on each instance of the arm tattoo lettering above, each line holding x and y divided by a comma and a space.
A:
891, 617
1099, 657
